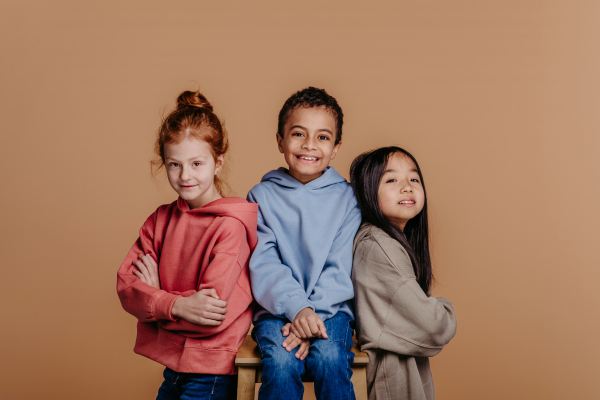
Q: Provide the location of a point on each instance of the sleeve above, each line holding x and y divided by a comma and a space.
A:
144, 302
334, 286
393, 309
273, 285
228, 260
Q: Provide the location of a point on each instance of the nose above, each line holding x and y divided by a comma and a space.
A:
185, 173
310, 143
406, 187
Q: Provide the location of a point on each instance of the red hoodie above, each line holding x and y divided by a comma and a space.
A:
203, 248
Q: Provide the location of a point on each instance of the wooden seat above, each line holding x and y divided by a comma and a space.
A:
249, 370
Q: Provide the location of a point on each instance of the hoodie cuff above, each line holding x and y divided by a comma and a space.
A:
162, 304
294, 304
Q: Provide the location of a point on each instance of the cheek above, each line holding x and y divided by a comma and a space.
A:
384, 202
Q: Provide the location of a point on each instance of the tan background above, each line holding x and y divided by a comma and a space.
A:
498, 100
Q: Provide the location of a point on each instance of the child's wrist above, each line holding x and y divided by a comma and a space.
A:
176, 309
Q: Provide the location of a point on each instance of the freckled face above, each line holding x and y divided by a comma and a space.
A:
191, 169
308, 143
401, 195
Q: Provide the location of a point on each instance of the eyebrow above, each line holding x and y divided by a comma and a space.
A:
318, 130
193, 158
395, 170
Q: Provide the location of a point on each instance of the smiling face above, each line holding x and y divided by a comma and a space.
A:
191, 169
308, 143
401, 195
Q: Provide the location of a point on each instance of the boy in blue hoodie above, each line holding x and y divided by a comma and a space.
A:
301, 267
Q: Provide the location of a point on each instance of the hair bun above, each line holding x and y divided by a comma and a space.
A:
193, 99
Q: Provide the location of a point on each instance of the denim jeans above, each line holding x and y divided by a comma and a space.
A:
328, 363
182, 386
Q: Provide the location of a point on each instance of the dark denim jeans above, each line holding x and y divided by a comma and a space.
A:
328, 363
178, 386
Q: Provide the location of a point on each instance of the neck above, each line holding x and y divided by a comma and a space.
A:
206, 198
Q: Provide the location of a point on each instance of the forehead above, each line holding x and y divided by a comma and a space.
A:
401, 162
312, 118
189, 146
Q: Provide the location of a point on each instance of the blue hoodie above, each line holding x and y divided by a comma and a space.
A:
304, 253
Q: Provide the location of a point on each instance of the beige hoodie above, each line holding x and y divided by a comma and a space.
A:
397, 324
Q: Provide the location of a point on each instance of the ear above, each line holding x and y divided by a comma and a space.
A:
335, 150
279, 142
219, 163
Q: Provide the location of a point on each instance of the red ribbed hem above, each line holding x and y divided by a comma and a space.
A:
154, 343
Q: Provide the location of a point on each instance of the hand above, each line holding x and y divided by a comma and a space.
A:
307, 324
292, 341
201, 308
148, 270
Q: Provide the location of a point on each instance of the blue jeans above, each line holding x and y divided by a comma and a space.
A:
328, 363
182, 386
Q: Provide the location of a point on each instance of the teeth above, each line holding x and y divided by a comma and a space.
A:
407, 202
308, 158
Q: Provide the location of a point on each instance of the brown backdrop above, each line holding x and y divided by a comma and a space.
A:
498, 100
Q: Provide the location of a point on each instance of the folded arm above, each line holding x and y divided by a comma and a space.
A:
141, 300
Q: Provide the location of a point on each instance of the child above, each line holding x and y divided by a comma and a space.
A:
399, 324
191, 294
301, 268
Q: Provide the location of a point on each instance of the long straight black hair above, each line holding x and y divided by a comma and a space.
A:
365, 175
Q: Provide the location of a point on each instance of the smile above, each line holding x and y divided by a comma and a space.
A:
407, 203
308, 158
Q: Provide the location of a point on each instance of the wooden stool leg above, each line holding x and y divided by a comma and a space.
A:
359, 381
246, 382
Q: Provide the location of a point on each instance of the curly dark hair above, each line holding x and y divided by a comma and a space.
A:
311, 97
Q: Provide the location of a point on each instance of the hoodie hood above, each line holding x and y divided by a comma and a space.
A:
282, 177
235, 207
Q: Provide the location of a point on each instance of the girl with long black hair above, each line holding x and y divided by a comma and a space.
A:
398, 323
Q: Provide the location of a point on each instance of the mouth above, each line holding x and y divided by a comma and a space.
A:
407, 202
187, 186
305, 158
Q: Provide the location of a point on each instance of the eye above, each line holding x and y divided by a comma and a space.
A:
297, 134
197, 164
390, 180
323, 137
174, 164
414, 180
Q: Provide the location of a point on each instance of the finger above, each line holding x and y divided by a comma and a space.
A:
322, 329
213, 316
313, 327
218, 310
146, 260
292, 344
152, 262
209, 322
288, 340
298, 330
295, 331
210, 292
140, 265
217, 303
286, 329
306, 329
140, 275
303, 350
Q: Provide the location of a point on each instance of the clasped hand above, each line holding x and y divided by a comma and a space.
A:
306, 325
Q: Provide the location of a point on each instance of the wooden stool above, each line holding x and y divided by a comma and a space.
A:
249, 370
